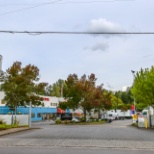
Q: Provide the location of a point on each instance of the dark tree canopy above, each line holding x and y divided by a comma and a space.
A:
82, 92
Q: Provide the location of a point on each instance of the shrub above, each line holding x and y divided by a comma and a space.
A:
92, 119
4, 126
66, 122
82, 119
58, 121
1, 121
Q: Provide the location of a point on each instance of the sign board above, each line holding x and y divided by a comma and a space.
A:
140, 119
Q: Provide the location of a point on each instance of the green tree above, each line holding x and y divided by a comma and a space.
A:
20, 85
143, 87
101, 99
125, 96
79, 92
41, 88
117, 103
56, 89
72, 91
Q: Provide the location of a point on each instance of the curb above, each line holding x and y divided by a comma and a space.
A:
14, 130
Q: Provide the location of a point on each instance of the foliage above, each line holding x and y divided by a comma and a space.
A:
82, 93
40, 88
143, 87
20, 85
79, 92
101, 99
1, 122
140, 106
56, 89
124, 108
58, 121
64, 105
125, 96
5, 126
72, 92
122, 99
116, 102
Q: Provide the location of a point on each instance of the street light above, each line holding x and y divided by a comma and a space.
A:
133, 72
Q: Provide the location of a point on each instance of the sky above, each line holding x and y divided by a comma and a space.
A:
110, 57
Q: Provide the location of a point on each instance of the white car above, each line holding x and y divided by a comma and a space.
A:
108, 117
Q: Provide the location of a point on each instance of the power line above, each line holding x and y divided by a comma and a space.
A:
55, 3
39, 5
76, 33
28, 4
93, 1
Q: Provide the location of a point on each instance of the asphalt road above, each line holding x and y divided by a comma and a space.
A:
113, 138
53, 150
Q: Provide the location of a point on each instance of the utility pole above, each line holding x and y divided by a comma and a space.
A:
61, 92
0, 69
1, 64
134, 117
30, 112
133, 72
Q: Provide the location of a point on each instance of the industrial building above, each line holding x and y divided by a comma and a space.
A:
49, 111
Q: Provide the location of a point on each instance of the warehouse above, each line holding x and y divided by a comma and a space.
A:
48, 111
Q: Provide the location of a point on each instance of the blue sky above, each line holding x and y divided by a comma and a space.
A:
110, 57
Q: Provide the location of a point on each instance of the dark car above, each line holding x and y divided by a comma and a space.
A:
66, 116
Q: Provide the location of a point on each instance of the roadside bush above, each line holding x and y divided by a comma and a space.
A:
1, 121
72, 122
66, 122
4, 126
58, 121
92, 119
82, 119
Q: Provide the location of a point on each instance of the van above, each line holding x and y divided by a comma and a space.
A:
107, 117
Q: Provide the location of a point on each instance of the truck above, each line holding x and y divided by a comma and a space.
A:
148, 111
110, 115
124, 114
118, 114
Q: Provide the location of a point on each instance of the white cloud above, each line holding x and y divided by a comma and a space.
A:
103, 25
100, 46
124, 88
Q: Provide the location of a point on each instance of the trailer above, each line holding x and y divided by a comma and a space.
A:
124, 114
111, 114
118, 114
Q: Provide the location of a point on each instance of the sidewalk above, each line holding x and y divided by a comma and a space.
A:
14, 130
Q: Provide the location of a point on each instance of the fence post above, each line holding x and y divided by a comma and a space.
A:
30, 112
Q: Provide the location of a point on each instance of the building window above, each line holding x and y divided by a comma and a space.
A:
39, 115
53, 104
33, 115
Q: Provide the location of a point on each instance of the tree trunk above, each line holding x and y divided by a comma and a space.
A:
84, 112
99, 114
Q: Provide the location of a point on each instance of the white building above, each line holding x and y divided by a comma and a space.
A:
48, 101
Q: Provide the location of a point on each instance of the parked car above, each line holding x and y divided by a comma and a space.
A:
108, 117
66, 116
